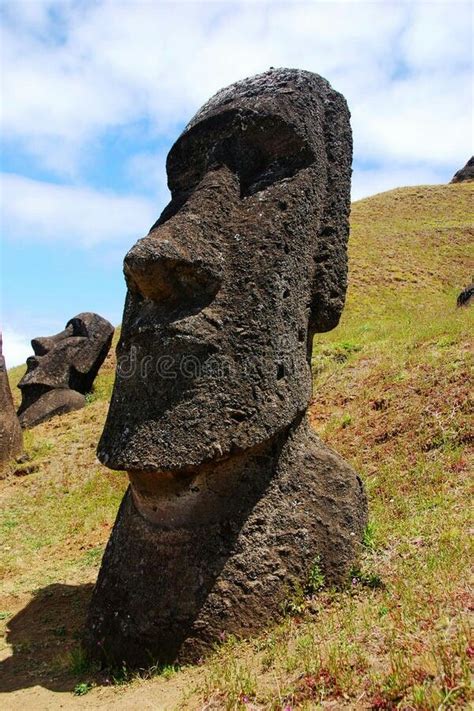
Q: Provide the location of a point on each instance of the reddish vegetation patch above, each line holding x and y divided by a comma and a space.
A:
379, 702
309, 687
428, 406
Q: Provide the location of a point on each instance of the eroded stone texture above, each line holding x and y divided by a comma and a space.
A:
231, 497
466, 297
11, 439
63, 368
466, 173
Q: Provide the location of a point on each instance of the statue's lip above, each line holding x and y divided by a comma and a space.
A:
32, 365
188, 333
178, 330
33, 360
166, 336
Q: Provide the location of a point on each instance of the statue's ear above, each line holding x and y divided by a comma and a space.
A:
97, 333
330, 275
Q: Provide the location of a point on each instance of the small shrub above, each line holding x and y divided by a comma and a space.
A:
346, 420
368, 538
295, 603
60, 631
316, 579
121, 676
82, 688
366, 578
79, 662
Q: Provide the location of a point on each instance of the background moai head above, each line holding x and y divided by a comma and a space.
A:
244, 265
67, 361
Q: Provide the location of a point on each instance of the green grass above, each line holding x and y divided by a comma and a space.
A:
392, 396
59, 517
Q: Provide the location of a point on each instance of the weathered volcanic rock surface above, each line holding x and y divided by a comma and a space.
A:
245, 264
11, 438
169, 592
466, 297
63, 368
466, 173
232, 499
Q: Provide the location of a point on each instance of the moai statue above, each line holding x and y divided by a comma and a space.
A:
466, 296
466, 173
232, 498
11, 438
63, 368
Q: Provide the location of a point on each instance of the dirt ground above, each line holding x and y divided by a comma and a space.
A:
159, 697
35, 662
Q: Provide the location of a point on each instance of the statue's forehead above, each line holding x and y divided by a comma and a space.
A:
258, 105
279, 103
278, 116
294, 99
245, 139
241, 120
276, 91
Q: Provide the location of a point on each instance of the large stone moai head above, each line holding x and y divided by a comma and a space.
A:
11, 439
232, 498
245, 264
63, 368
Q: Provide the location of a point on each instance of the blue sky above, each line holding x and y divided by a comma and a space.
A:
94, 92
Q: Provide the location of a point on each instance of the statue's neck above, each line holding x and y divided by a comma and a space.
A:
219, 490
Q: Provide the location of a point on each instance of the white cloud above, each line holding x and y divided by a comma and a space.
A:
428, 118
439, 34
39, 211
148, 171
72, 70
16, 347
403, 67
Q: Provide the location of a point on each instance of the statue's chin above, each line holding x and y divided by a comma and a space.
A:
175, 501
178, 453
203, 495
199, 431
57, 401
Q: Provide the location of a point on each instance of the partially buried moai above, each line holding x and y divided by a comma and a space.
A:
232, 498
11, 439
63, 368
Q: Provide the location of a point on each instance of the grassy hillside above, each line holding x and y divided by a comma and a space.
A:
392, 396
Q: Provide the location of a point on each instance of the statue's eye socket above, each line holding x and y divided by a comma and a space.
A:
261, 150
77, 327
266, 174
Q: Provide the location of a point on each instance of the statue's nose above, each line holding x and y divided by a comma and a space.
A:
43, 345
160, 271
